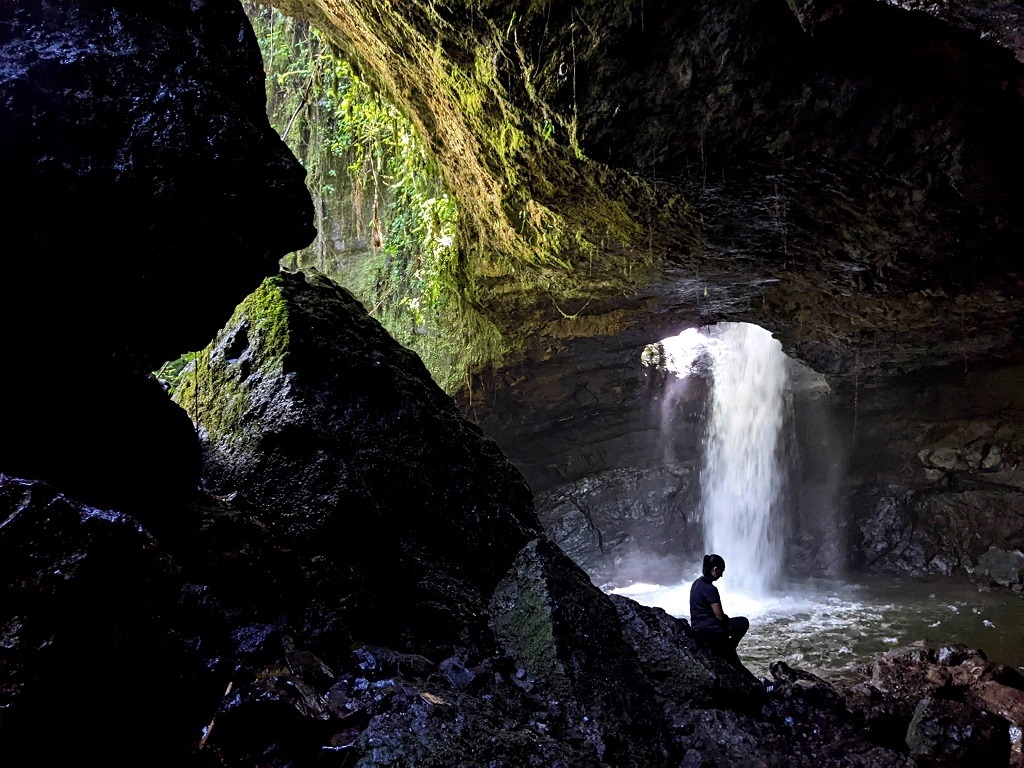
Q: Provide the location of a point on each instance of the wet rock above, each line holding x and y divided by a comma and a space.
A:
1002, 567
627, 523
941, 458
108, 440
680, 668
456, 673
886, 696
386, 661
945, 733
306, 665
330, 431
91, 625
993, 457
273, 718
151, 129
566, 635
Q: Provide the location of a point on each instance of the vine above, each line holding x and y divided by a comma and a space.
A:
388, 229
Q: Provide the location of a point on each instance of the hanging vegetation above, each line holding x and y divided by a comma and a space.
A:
387, 227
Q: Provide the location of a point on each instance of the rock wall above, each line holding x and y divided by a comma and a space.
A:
935, 481
910, 475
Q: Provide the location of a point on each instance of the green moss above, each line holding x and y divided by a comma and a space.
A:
495, 119
531, 625
214, 388
524, 627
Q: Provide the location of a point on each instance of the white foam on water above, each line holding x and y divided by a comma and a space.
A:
825, 627
814, 610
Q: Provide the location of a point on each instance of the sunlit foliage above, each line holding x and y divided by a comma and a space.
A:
387, 227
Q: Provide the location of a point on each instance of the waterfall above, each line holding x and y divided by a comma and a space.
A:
743, 474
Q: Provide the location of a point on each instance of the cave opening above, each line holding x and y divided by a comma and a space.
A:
768, 463
773, 458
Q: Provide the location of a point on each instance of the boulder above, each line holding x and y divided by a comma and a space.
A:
149, 195
946, 734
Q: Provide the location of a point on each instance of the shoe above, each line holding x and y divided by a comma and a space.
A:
767, 685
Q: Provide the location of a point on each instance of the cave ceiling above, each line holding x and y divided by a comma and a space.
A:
844, 174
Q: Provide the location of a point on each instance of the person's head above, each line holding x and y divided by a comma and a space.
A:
714, 566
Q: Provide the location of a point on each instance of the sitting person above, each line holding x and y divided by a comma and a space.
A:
719, 632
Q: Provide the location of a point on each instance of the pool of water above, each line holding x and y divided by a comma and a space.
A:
825, 626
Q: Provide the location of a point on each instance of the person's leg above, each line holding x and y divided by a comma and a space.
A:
719, 642
714, 639
738, 626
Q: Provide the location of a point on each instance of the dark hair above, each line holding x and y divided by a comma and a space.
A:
713, 561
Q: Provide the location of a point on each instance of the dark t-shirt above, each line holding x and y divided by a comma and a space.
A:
702, 594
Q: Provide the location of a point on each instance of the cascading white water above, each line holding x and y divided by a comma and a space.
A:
742, 475
820, 625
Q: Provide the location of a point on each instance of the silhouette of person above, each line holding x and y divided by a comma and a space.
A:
721, 633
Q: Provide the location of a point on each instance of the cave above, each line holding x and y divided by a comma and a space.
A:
318, 551
756, 164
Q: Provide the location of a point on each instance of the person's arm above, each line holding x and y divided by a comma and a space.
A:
716, 608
